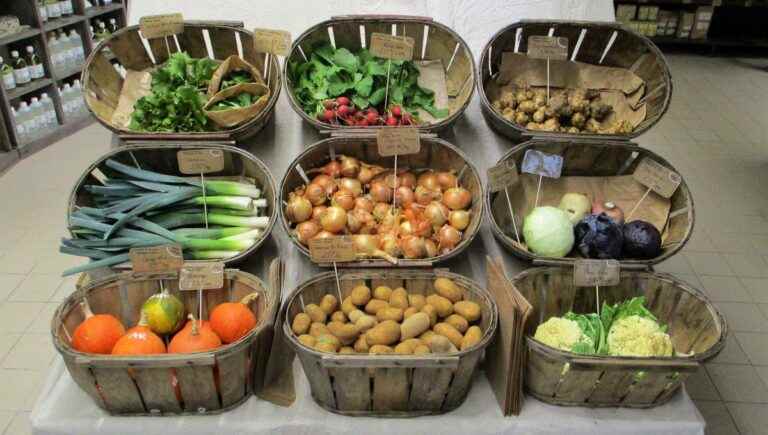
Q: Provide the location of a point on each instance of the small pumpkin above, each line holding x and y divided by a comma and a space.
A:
232, 321
164, 311
196, 336
98, 333
139, 340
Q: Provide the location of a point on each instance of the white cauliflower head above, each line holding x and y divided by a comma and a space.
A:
563, 334
638, 336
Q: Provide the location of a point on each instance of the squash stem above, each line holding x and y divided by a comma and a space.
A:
86, 307
249, 298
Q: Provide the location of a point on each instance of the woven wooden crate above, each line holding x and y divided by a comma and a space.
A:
435, 154
388, 385
629, 50
208, 382
586, 157
438, 42
564, 378
162, 158
102, 84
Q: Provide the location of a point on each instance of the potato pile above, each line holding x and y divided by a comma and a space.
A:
568, 111
386, 321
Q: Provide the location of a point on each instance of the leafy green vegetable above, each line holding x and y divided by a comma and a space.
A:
236, 78
592, 326
243, 99
331, 73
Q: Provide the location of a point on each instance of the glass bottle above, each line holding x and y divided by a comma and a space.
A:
20, 70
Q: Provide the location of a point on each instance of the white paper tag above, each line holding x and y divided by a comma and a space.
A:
657, 177
539, 163
159, 26
548, 47
590, 273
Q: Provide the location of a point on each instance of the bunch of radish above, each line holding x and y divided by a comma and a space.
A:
341, 111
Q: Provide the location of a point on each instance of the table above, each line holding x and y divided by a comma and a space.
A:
63, 409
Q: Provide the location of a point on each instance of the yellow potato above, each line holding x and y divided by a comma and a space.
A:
380, 349
421, 349
339, 316
346, 332
471, 338
325, 347
448, 289
315, 313
347, 306
468, 310
307, 340
426, 336
361, 345
414, 326
328, 339
399, 298
365, 322
329, 303
375, 305
410, 311
317, 328
390, 313
431, 312
417, 301
346, 350
360, 295
458, 322
449, 332
354, 315
404, 349
386, 332
441, 344
442, 305
382, 292
301, 323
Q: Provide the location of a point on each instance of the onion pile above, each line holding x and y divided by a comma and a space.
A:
349, 197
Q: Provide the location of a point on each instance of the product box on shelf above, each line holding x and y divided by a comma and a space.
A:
685, 25
701, 22
626, 13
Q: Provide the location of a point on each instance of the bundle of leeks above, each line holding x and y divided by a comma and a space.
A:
138, 208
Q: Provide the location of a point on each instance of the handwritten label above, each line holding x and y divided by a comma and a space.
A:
502, 176
159, 26
539, 163
332, 249
589, 273
201, 276
272, 41
657, 177
156, 259
200, 161
392, 47
548, 47
398, 140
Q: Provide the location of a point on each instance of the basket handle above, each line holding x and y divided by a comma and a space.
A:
226, 23
645, 364
369, 132
381, 17
203, 359
405, 361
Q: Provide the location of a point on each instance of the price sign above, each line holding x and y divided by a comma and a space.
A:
332, 249
392, 47
502, 175
548, 47
156, 259
200, 161
272, 41
543, 164
159, 26
657, 177
201, 276
590, 273
398, 140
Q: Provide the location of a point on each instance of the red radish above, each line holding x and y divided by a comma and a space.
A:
373, 110
371, 117
343, 111
328, 115
363, 122
397, 111
342, 101
391, 121
328, 104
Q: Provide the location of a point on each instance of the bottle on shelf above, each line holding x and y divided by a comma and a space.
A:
21, 132
38, 113
77, 47
66, 8
104, 33
106, 2
81, 110
66, 102
113, 25
6, 71
54, 47
53, 9
49, 110
42, 10
36, 70
20, 70
67, 61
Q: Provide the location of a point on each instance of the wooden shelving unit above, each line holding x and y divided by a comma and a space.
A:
36, 35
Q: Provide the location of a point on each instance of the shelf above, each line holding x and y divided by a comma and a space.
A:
95, 11
20, 91
69, 72
712, 42
57, 23
18, 36
62, 131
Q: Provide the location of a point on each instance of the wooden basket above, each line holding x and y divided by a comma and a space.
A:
162, 158
103, 85
208, 382
388, 385
564, 378
590, 158
629, 50
435, 154
438, 42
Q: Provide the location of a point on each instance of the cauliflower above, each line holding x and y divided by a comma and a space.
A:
564, 334
638, 336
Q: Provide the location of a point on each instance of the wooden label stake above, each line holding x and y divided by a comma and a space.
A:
161, 26
272, 41
332, 249
156, 259
548, 47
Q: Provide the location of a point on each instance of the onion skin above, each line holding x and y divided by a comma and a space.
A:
332, 169
365, 175
305, 231
316, 194
380, 192
431, 248
334, 220
317, 212
353, 185
357, 219
424, 196
457, 198
404, 196
388, 243
446, 180
428, 180
459, 219
299, 209
413, 247
350, 166
448, 237
422, 227
344, 199
380, 210
436, 213
328, 183
364, 203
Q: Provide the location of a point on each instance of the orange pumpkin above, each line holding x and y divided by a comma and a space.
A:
232, 321
139, 340
98, 333
196, 336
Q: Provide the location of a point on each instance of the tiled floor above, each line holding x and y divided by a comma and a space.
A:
715, 133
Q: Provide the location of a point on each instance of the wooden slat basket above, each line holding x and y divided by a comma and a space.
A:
587, 158
162, 158
208, 382
389, 385
435, 153
433, 41
602, 43
564, 378
103, 84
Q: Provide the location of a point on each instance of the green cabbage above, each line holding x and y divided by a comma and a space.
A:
548, 231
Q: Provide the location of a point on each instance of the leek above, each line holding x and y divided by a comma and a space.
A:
229, 202
210, 255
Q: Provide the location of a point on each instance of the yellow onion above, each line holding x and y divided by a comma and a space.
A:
457, 198
428, 180
446, 180
344, 199
357, 219
380, 192
353, 185
448, 237
350, 166
380, 210
388, 243
328, 183
324, 235
436, 213
334, 219
364, 203
431, 248
413, 247
403, 196
406, 228
424, 196
316, 194
305, 231
299, 209
459, 219
317, 212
